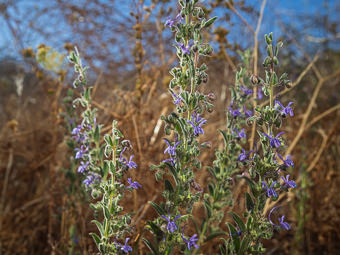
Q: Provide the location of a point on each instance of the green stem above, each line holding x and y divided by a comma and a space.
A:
201, 236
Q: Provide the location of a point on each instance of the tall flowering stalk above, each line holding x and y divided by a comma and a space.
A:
263, 167
103, 165
230, 159
186, 125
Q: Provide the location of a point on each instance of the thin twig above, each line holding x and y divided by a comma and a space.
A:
232, 8
255, 59
5, 183
97, 83
322, 115
325, 139
309, 110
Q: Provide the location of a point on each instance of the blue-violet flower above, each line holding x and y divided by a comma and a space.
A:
134, 185
196, 123
125, 248
246, 90
171, 22
191, 242
288, 162
243, 156
81, 152
83, 166
247, 113
270, 191
288, 183
274, 141
240, 134
284, 110
171, 227
128, 164
171, 149
283, 224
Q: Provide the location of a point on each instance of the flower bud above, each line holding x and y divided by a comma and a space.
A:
289, 85
209, 51
254, 79
211, 97
195, 48
250, 121
210, 108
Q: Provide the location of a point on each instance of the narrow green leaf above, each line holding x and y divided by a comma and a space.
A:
275, 79
211, 189
168, 186
212, 171
208, 22
244, 245
150, 246
208, 208
173, 171
238, 221
96, 135
198, 231
107, 213
225, 137
157, 231
234, 236
251, 185
99, 226
249, 202
159, 209
96, 239
215, 234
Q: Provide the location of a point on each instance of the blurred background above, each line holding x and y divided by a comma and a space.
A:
43, 209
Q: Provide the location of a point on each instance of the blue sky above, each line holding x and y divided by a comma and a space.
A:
290, 11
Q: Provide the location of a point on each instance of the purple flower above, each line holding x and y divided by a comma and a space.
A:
196, 123
191, 242
171, 160
128, 164
234, 113
177, 99
237, 233
247, 113
288, 183
77, 134
171, 227
171, 22
288, 162
284, 110
81, 152
259, 93
134, 185
284, 225
270, 191
246, 90
83, 166
243, 156
171, 149
90, 179
274, 141
240, 134
125, 248
77, 130
185, 50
